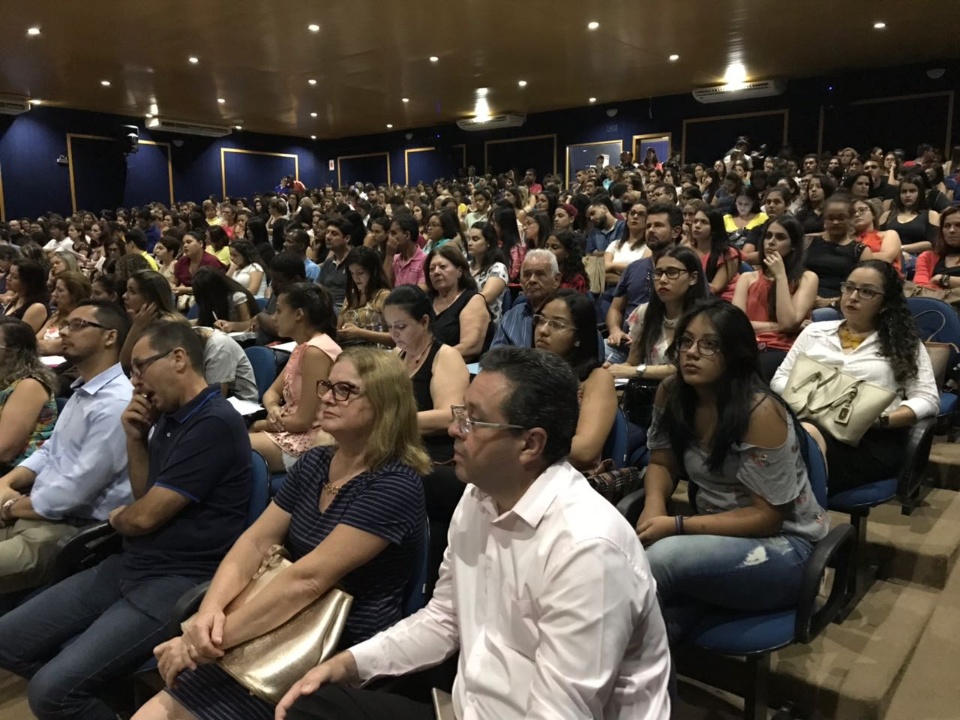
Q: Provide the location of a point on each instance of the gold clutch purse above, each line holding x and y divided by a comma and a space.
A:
269, 665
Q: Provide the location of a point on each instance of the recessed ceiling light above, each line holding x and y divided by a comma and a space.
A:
105, 83
522, 83
193, 59
389, 126
149, 115
879, 25
674, 58
312, 81
313, 27
313, 137
35, 101
33, 31
434, 58
221, 100
238, 127
313, 114
593, 25
736, 74
405, 99
593, 100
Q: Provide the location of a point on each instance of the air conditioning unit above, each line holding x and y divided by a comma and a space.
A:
13, 104
496, 122
740, 91
187, 128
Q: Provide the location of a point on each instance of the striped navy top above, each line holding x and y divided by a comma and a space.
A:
387, 503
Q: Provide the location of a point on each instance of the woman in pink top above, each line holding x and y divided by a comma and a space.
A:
305, 314
721, 263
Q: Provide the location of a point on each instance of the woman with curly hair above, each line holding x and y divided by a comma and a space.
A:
573, 275
876, 342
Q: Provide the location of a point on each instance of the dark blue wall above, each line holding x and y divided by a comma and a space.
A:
33, 183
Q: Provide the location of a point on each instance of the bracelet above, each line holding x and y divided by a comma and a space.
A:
678, 520
945, 282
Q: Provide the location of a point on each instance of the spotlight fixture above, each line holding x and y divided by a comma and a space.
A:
879, 25
522, 83
193, 59
674, 58
593, 100
434, 58
313, 27
313, 114
221, 100
389, 126
593, 25
312, 81
313, 137
105, 83
33, 31
406, 100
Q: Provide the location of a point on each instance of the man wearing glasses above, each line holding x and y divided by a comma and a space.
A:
189, 473
79, 475
544, 590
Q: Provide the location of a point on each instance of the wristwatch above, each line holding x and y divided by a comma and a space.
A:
641, 369
883, 421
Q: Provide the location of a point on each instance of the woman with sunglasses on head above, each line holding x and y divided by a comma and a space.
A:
779, 296
294, 414
717, 424
876, 342
566, 326
350, 516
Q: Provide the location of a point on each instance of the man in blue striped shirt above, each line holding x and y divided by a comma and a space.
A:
539, 277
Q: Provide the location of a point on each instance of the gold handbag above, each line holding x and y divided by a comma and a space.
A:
835, 402
269, 665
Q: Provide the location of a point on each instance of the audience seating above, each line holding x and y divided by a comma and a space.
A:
193, 312
263, 302
938, 322
754, 636
264, 363
616, 446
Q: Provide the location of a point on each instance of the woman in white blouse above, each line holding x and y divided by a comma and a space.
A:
488, 266
876, 342
245, 267
631, 246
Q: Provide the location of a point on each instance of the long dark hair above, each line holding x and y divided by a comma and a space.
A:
583, 357
368, 259
736, 390
793, 263
653, 317
719, 241
920, 180
316, 303
572, 264
214, 292
896, 330
505, 220
155, 289
493, 254
33, 282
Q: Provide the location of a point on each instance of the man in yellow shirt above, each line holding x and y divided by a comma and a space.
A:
136, 243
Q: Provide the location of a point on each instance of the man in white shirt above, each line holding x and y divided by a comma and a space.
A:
544, 589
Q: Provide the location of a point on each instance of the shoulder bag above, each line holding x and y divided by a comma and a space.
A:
835, 402
269, 665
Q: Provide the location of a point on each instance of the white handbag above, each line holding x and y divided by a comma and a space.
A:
834, 401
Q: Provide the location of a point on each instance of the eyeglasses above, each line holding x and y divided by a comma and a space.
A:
137, 369
637, 213
342, 391
706, 347
466, 424
861, 210
553, 325
672, 273
76, 325
866, 293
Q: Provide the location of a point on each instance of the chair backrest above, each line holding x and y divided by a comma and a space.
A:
825, 314
816, 469
61, 403
264, 363
194, 312
260, 490
262, 302
936, 321
414, 594
507, 301
745, 267
615, 447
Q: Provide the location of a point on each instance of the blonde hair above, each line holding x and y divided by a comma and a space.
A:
386, 384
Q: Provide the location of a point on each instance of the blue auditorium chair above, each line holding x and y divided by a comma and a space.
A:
615, 447
755, 635
264, 363
938, 322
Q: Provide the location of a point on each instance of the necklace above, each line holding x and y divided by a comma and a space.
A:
850, 340
670, 324
334, 489
412, 366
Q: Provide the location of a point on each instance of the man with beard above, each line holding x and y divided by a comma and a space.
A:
664, 227
79, 475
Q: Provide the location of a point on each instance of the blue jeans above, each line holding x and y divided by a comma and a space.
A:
75, 638
696, 572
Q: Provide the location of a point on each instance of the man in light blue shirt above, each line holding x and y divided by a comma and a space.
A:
297, 242
80, 474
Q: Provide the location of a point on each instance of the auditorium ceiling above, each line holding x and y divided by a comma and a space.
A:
353, 67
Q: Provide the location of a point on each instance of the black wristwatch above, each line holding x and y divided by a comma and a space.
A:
883, 421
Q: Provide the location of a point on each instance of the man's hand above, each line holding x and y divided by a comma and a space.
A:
138, 417
341, 669
618, 338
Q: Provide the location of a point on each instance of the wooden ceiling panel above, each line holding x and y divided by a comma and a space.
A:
369, 54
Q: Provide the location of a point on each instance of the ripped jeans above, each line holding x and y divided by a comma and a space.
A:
697, 572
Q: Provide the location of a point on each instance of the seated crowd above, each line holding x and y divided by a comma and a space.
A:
122, 350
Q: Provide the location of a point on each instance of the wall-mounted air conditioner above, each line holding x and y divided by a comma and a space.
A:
496, 122
740, 91
13, 104
187, 128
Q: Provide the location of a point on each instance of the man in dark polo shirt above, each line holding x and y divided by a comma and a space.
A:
189, 463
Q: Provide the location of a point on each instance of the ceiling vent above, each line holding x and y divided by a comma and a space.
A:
186, 128
496, 122
13, 104
740, 91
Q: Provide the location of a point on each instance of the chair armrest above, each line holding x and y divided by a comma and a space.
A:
85, 549
917, 453
632, 505
186, 607
835, 549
